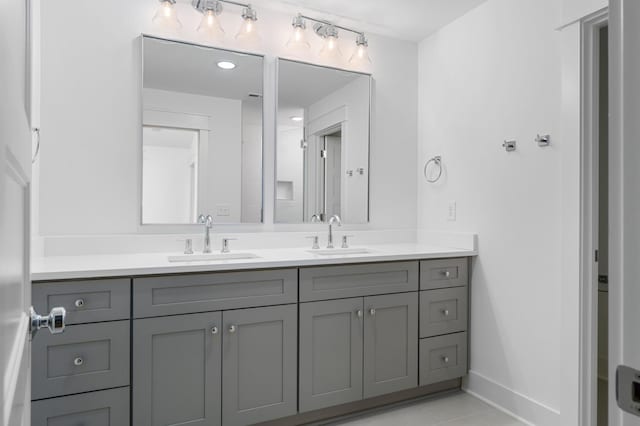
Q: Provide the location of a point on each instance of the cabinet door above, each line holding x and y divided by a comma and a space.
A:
330, 353
176, 370
259, 364
390, 343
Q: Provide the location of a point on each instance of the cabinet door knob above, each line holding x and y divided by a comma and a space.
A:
372, 311
445, 359
447, 274
445, 312
214, 330
359, 313
79, 303
78, 361
232, 329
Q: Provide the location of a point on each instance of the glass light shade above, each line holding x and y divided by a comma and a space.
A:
330, 48
360, 56
298, 40
210, 27
167, 16
248, 32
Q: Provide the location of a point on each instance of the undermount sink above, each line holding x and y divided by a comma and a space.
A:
211, 257
340, 251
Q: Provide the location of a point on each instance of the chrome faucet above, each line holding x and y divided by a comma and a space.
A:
334, 219
207, 221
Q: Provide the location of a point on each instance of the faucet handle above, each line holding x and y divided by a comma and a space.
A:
345, 242
316, 243
225, 244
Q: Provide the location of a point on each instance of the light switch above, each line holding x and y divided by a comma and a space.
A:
452, 211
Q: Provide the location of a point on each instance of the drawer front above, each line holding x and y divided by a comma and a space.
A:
181, 294
84, 358
85, 301
103, 408
443, 273
443, 358
443, 311
336, 282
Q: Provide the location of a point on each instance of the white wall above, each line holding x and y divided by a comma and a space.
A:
573, 10
495, 74
91, 114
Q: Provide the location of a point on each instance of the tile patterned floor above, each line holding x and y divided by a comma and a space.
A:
458, 409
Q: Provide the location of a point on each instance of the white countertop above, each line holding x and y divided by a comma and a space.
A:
127, 265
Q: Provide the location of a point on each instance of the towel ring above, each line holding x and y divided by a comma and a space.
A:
437, 161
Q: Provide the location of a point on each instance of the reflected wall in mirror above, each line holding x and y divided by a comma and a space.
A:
201, 134
322, 144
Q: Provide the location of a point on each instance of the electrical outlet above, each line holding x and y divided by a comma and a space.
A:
452, 211
223, 210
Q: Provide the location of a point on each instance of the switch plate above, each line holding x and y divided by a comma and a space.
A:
628, 389
452, 212
223, 210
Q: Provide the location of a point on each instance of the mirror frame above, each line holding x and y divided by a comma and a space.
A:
164, 226
278, 59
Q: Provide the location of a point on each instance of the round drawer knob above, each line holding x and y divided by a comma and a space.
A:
445, 359
214, 330
232, 329
372, 311
447, 274
78, 361
79, 303
445, 312
359, 313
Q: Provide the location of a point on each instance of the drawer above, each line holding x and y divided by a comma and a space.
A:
443, 311
103, 408
336, 282
443, 273
85, 301
443, 358
84, 358
182, 294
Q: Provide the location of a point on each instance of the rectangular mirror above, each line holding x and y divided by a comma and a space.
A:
322, 144
201, 134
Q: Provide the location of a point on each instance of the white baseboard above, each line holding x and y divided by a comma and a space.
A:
522, 407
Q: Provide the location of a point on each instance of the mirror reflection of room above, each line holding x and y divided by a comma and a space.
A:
201, 133
322, 144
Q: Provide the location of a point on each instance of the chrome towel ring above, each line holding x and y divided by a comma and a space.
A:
437, 161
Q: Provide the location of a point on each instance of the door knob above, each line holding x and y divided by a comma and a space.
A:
359, 313
214, 330
232, 329
55, 321
372, 311
78, 361
79, 303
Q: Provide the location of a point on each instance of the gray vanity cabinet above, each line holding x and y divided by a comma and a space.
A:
331, 345
177, 370
390, 343
259, 364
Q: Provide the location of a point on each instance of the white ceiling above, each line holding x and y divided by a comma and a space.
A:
411, 20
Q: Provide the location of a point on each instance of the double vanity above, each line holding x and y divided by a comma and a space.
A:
287, 336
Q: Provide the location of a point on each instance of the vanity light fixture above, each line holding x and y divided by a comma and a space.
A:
298, 39
226, 65
210, 27
166, 15
248, 32
328, 32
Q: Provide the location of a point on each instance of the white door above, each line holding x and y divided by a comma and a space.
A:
15, 176
624, 210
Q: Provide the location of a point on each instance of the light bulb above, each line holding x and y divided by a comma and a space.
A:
210, 27
298, 39
248, 32
330, 48
361, 54
166, 15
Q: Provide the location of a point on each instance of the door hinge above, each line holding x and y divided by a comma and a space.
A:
323, 153
597, 256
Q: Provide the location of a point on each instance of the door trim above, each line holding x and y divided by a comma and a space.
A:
589, 216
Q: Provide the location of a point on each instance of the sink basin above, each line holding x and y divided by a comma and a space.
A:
210, 257
340, 251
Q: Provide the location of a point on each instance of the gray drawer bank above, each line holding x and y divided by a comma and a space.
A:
244, 347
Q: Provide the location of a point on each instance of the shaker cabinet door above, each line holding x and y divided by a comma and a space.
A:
176, 370
259, 373
330, 353
390, 343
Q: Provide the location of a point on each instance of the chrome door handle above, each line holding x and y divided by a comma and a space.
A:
78, 361
372, 311
232, 329
445, 312
445, 359
359, 313
55, 321
214, 330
